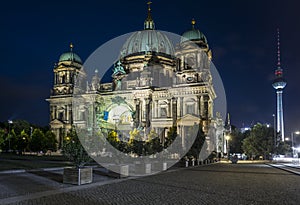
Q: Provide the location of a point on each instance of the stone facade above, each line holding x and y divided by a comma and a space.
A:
150, 90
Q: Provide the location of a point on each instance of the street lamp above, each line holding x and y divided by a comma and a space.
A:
275, 132
227, 138
293, 148
9, 122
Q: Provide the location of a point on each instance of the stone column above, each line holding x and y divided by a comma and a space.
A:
199, 59
137, 112
156, 109
199, 106
55, 112
55, 78
51, 113
181, 106
169, 109
174, 110
202, 106
147, 111
210, 109
183, 137
70, 114
65, 112
206, 106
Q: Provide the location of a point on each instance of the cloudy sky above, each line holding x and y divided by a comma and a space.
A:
241, 34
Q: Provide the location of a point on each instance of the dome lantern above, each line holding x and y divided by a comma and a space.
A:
147, 40
149, 23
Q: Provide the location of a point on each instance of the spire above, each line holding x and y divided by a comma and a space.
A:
278, 49
228, 119
71, 47
149, 23
193, 23
228, 126
278, 71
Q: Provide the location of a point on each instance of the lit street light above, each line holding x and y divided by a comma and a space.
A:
275, 132
227, 138
9, 122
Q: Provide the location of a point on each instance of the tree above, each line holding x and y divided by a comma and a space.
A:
153, 145
20, 125
259, 142
283, 148
38, 140
74, 150
2, 137
171, 136
50, 141
236, 139
22, 142
12, 140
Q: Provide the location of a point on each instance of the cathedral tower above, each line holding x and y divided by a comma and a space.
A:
65, 72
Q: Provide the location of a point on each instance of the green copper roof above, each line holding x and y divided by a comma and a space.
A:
147, 40
193, 34
70, 56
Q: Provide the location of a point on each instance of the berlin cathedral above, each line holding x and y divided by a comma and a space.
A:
154, 86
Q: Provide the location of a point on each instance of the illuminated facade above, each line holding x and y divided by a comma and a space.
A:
155, 86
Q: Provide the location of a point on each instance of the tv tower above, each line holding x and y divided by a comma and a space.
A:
279, 84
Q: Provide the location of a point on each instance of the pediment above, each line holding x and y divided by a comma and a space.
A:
188, 119
56, 123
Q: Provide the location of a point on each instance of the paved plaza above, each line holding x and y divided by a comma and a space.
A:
219, 183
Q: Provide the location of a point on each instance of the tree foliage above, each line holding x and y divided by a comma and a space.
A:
50, 141
38, 141
19, 136
2, 137
259, 142
236, 140
74, 150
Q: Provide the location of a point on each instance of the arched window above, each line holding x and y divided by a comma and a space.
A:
190, 106
163, 106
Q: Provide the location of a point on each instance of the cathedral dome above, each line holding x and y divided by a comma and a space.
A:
193, 34
147, 40
70, 56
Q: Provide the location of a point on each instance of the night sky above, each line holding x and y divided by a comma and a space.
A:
241, 34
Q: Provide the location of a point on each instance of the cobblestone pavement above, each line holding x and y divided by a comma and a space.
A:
211, 184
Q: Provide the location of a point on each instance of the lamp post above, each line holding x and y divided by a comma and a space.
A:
227, 138
275, 132
293, 148
9, 122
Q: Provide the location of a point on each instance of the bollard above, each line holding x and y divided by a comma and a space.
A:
186, 163
164, 166
148, 168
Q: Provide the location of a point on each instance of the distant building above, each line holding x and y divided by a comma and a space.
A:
155, 86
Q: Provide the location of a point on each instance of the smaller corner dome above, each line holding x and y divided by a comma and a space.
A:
70, 56
193, 34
